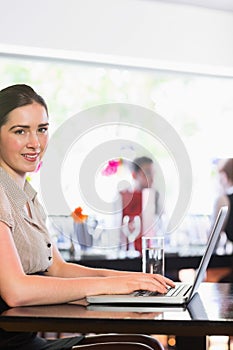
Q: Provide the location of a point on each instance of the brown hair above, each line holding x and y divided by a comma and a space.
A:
15, 96
227, 167
138, 162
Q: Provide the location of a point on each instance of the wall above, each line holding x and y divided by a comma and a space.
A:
140, 32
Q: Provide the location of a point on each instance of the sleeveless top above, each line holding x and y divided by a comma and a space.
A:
31, 239
30, 234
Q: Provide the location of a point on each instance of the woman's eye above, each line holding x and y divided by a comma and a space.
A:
20, 132
43, 130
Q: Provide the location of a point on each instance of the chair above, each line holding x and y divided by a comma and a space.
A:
121, 342
113, 346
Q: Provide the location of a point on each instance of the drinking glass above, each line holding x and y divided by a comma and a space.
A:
153, 255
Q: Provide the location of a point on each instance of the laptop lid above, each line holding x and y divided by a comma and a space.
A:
212, 241
188, 290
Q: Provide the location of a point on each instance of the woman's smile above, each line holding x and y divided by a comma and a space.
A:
31, 157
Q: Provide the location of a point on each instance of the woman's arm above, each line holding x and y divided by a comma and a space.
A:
61, 268
19, 289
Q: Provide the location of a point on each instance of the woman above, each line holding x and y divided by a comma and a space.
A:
225, 172
26, 251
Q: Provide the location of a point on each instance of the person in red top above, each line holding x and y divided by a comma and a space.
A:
143, 174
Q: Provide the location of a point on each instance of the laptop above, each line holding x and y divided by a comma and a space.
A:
179, 295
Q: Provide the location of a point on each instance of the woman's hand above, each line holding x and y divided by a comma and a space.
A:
128, 283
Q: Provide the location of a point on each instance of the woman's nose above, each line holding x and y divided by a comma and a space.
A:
33, 141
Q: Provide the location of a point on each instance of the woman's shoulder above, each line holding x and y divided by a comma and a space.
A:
5, 206
3, 193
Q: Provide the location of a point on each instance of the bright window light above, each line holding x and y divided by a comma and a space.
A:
199, 107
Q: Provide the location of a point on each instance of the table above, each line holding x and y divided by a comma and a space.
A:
210, 312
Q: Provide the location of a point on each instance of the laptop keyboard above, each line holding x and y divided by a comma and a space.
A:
171, 291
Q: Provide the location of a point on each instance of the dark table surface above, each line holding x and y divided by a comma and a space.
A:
210, 312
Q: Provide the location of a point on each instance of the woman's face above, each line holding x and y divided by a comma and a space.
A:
23, 139
145, 176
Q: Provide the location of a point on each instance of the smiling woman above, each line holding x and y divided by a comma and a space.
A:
24, 127
27, 252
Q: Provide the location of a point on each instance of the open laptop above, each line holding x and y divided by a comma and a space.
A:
183, 292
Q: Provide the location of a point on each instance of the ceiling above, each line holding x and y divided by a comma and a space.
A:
224, 5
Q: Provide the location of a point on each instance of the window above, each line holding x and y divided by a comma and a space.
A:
198, 107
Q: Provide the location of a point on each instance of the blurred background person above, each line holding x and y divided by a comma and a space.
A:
225, 197
143, 173
225, 172
142, 210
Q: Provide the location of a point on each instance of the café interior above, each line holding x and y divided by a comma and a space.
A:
125, 79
